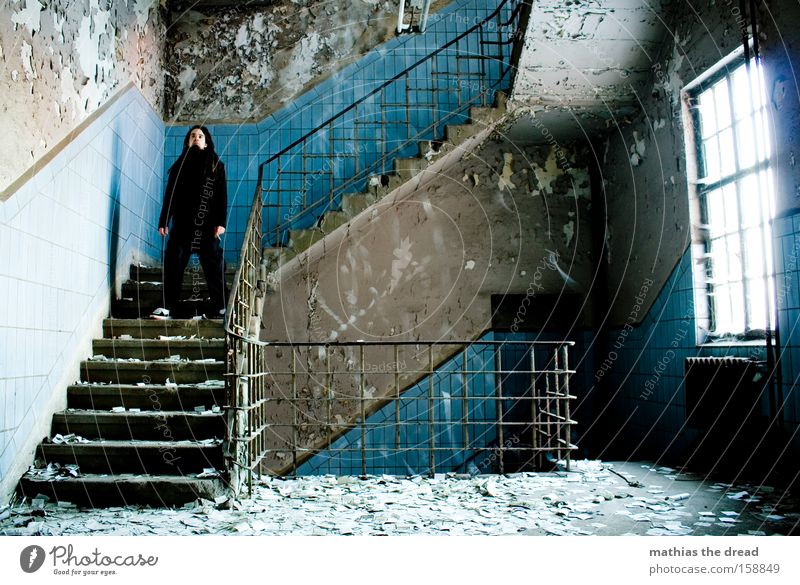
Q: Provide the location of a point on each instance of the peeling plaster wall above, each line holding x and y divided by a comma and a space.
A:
62, 61
426, 267
644, 161
243, 63
585, 63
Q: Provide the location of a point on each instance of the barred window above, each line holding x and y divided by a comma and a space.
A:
736, 200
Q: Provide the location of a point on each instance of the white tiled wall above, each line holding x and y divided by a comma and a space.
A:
66, 236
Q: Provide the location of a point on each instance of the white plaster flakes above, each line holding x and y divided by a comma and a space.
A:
142, 10
30, 17
569, 231
258, 23
545, 176
242, 38
505, 175
559, 503
26, 52
402, 259
58, 26
14, 75
186, 79
300, 69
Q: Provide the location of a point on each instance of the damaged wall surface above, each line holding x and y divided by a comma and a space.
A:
502, 220
644, 164
243, 63
62, 61
586, 64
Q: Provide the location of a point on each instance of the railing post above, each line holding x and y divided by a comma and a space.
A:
498, 363
431, 407
363, 410
567, 421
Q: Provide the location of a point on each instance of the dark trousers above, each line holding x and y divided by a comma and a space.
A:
180, 248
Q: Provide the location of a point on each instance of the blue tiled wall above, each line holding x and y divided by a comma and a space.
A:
66, 235
786, 234
243, 147
645, 378
412, 454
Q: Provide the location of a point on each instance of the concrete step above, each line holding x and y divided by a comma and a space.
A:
381, 185
141, 308
150, 372
117, 457
272, 257
333, 220
300, 240
147, 397
156, 273
430, 149
408, 168
132, 289
459, 133
97, 491
154, 349
482, 116
152, 328
139, 426
352, 205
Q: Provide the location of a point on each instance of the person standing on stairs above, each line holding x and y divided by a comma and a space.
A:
196, 200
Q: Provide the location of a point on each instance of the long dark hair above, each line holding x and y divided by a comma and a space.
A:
212, 160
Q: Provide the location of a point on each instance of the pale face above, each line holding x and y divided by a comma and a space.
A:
197, 138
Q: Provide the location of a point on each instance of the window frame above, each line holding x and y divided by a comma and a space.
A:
700, 186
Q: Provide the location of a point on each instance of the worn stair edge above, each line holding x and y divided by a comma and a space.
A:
146, 397
92, 490
152, 328
139, 457
122, 372
145, 425
153, 349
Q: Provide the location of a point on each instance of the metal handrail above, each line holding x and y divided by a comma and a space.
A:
324, 204
244, 350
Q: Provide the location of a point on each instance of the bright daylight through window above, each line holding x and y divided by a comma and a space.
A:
736, 201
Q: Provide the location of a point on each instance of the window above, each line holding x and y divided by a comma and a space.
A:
734, 191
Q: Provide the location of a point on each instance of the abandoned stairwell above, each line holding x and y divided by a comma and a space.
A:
144, 424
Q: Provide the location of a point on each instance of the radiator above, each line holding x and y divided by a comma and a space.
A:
722, 393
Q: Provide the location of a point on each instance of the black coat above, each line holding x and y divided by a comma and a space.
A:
196, 198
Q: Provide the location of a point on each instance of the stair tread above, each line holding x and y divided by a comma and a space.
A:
136, 363
117, 387
111, 479
203, 341
83, 412
141, 444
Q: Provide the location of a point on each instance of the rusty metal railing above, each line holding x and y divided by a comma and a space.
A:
402, 407
243, 351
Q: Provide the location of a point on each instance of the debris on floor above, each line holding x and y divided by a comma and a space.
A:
592, 498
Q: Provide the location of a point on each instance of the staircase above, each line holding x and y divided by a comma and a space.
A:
457, 137
144, 425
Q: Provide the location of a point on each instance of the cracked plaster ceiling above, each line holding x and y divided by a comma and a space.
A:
586, 65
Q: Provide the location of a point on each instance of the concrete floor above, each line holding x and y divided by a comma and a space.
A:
593, 498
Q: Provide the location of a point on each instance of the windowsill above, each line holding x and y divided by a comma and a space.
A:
734, 343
